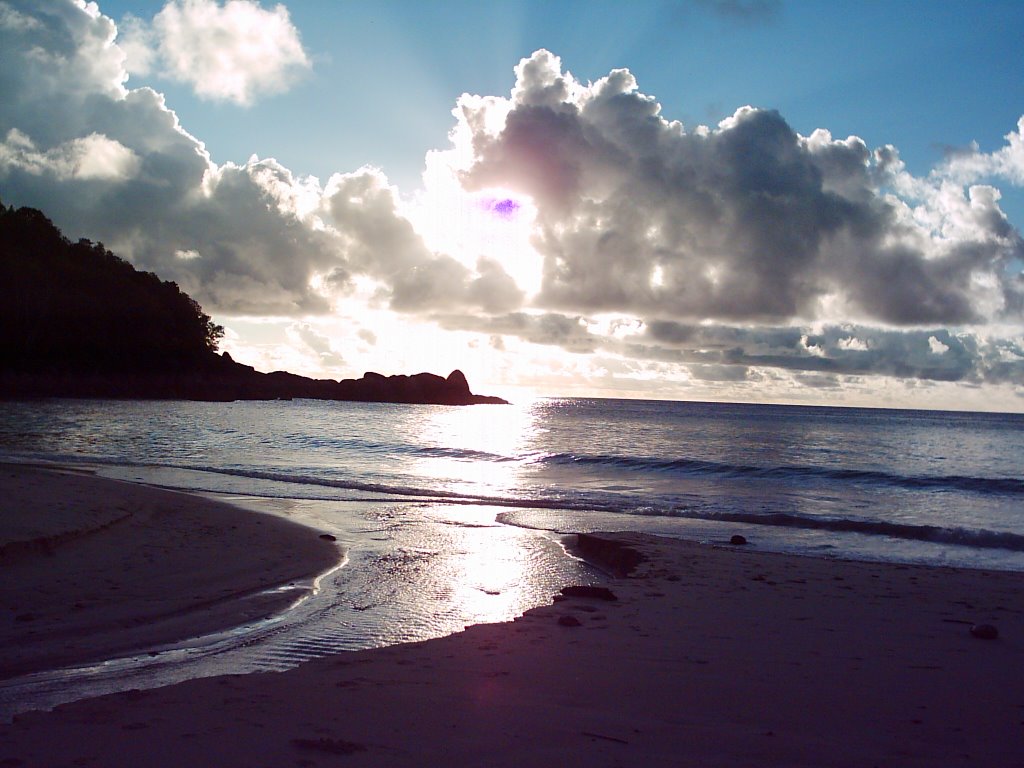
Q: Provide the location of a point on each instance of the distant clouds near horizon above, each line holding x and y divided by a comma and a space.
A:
570, 232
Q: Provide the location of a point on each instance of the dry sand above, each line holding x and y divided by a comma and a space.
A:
94, 567
710, 656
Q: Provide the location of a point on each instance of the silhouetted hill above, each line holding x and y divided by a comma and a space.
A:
76, 308
77, 321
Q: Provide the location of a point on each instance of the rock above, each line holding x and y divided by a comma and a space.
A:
457, 383
984, 631
566, 620
328, 537
598, 593
738, 540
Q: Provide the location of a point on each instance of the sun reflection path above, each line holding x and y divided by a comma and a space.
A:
485, 571
495, 572
481, 451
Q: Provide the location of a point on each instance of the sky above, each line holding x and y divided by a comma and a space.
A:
731, 200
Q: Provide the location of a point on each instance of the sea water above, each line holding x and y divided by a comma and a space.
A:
450, 516
917, 486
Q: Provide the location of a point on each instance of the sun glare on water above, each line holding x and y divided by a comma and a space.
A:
492, 441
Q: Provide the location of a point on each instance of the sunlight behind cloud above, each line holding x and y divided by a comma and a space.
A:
494, 223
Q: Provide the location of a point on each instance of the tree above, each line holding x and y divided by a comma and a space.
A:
77, 307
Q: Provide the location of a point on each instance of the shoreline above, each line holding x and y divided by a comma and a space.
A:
710, 655
98, 568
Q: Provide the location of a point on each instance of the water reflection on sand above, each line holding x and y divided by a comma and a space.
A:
412, 571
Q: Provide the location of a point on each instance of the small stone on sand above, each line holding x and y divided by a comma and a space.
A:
599, 593
984, 631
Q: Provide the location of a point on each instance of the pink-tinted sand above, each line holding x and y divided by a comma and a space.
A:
710, 656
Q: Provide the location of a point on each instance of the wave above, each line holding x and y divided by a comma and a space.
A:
400, 449
571, 500
697, 468
970, 537
977, 538
701, 468
640, 505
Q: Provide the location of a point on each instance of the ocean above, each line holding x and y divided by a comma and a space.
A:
452, 516
915, 486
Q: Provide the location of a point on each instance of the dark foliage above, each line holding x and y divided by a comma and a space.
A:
77, 308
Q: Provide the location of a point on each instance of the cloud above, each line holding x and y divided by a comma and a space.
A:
742, 254
570, 333
91, 157
232, 52
745, 246
747, 221
729, 353
934, 355
719, 372
383, 244
114, 164
305, 335
971, 165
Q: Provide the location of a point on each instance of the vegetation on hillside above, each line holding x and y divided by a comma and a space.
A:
77, 321
77, 308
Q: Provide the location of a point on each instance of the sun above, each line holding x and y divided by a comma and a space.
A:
493, 223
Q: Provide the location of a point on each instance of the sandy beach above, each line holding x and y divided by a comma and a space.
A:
93, 567
707, 656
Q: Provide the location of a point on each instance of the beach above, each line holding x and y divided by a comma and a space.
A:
94, 568
710, 654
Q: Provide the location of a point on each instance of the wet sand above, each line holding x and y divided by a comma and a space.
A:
709, 656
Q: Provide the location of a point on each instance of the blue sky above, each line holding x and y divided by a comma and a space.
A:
923, 76
404, 186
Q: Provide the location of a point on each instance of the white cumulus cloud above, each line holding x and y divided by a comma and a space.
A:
748, 221
744, 244
233, 52
91, 157
114, 164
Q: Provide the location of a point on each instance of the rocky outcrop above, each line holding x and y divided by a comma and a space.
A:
222, 379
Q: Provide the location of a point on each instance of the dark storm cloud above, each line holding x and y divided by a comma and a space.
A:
748, 222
